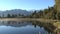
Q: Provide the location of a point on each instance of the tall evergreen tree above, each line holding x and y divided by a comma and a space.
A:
8, 16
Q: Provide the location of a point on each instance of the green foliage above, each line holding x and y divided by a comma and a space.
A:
19, 14
8, 15
11, 16
54, 15
49, 13
58, 16
33, 14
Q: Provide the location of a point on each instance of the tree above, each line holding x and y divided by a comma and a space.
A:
8, 16
40, 13
3, 15
58, 16
19, 15
13, 16
34, 14
54, 14
0, 16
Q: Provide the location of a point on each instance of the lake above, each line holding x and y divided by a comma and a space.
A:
20, 27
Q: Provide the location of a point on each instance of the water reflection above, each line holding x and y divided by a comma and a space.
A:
29, 27
14, 23
49, 27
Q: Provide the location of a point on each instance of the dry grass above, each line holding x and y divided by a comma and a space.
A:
57, 24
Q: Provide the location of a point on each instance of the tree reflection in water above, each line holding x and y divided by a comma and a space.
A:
49, 27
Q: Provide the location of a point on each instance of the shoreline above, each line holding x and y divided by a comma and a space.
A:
28, 19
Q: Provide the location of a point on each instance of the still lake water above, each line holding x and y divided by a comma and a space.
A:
17, 27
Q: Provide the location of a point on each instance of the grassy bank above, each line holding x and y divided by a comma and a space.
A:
57, 24
28, 19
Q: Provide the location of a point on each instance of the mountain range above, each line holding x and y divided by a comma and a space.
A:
15, 11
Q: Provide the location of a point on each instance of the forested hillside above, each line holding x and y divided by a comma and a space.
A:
50, 13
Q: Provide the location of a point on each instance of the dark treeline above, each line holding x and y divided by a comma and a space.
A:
49, 13
12, 16
46, 13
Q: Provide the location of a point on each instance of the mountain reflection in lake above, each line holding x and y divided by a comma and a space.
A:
18, 27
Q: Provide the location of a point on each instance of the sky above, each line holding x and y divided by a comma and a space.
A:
25, 4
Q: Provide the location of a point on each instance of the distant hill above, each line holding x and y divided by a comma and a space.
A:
15, 11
